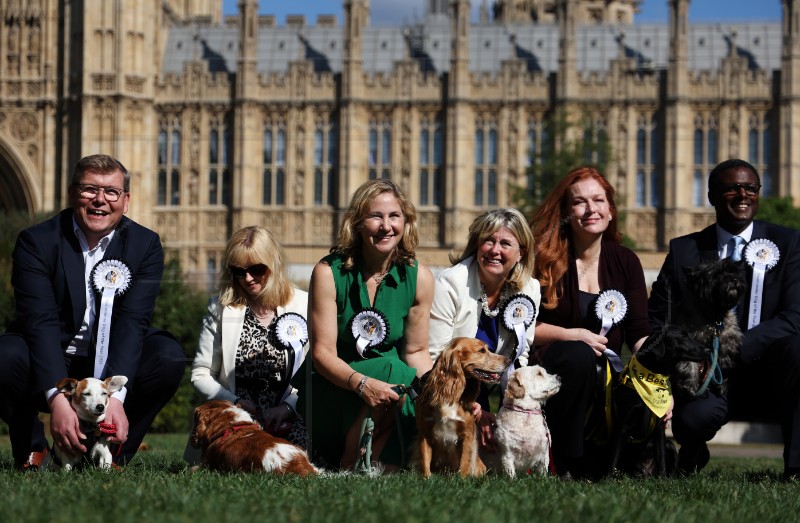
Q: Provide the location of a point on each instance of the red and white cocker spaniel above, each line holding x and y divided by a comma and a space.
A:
231, 441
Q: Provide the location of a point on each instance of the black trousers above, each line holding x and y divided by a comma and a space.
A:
576, 364
161, 369
765, 390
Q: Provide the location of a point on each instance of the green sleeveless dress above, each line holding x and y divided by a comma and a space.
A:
334, 410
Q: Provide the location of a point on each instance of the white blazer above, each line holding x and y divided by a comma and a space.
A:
214, 366
456, 309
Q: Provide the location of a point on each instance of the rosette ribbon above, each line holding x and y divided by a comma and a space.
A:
291, 331
110, 278
370, 328
762, 255
518, 314
611, 308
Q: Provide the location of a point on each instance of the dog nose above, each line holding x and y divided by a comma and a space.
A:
100, 408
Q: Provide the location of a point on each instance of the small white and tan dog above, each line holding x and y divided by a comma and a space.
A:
89, 397
523, 440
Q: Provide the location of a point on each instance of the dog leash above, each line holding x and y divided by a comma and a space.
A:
714, 371
363, 464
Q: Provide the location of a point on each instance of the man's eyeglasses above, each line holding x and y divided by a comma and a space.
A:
111, 194
256, 271
750, 189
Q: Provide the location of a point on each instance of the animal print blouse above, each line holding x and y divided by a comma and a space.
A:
263, 372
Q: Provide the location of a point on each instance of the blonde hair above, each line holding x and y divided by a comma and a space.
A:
348, 242
489, 223
251, 246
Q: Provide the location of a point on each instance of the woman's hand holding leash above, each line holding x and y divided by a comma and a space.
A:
377, 393
595, 341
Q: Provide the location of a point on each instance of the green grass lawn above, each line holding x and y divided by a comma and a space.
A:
157, 487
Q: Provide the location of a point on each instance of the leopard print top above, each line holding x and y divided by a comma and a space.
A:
263, 372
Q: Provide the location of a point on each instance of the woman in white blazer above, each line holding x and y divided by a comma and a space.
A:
254, 336
489, 293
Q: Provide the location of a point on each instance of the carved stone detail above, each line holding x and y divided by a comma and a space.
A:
25, 126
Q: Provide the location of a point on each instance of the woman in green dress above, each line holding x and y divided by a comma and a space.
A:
369, 308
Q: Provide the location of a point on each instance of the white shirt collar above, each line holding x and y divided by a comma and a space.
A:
723, 236
103, 243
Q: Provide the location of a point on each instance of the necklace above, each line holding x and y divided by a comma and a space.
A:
379, 276
492, 313
266, 316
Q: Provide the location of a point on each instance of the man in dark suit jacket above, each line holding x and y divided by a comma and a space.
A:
767, 380
62, 312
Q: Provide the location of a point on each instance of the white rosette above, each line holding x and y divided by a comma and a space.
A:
370, 328
611, 308
291, 331
762, 255
110, 277
518, 313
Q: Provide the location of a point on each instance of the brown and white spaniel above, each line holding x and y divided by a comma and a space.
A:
447, 435
230, 440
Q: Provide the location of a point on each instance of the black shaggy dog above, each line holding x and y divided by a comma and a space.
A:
714, 288
633, 423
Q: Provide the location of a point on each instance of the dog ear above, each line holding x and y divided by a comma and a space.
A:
200, 422
514, 389
67, 386
447, 379
115, 383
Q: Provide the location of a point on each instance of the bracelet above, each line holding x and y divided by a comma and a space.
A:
361, 384
288, 407
350, 376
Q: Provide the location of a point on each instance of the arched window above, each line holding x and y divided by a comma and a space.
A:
273, 178
168, 190
486, 154
430, 161
324, 161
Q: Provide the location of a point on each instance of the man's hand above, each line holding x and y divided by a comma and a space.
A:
115, 414
65, 425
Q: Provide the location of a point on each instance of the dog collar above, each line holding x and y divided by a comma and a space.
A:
654, 389
230, 430
520, 409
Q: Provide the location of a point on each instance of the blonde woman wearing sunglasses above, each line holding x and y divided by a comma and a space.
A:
254, 336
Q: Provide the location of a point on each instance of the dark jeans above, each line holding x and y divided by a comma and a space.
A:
161, 369
767, 389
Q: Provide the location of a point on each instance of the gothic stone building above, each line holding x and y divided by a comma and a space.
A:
225, 123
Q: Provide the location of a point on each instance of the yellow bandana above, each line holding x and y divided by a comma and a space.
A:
654, 389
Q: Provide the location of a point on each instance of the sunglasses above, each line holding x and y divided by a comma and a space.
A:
256, 271
750, 189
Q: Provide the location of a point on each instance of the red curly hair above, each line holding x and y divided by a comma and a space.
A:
553, 234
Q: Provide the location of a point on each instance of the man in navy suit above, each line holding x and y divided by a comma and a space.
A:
766, 383
85, 285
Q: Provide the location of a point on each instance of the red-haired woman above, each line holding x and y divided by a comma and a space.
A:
594, 298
